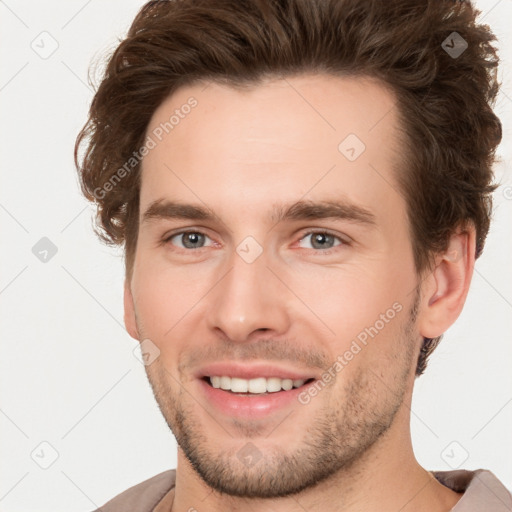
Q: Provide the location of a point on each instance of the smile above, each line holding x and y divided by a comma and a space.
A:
259, 385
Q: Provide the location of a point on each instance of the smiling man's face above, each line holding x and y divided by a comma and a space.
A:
267, 285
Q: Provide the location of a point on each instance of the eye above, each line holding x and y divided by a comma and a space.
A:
188, 239
322, 240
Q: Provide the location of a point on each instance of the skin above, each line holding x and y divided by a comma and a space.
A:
298, 304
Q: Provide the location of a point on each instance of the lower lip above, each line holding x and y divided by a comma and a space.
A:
249, 406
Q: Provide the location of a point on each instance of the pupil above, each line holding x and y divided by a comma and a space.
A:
191, 239
322, 239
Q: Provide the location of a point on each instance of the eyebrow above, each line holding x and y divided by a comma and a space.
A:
311, 210
300, 210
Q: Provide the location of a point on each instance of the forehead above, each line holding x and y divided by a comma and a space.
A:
309, 136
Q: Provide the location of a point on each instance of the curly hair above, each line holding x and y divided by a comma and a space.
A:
444, 98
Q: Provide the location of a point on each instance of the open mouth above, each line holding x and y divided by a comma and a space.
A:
254, 387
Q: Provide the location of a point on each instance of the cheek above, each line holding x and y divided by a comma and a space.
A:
365, 312
166, 296
349, 299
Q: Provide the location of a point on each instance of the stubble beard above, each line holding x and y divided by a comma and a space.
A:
333, 442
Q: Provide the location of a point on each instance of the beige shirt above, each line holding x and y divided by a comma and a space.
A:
483, 492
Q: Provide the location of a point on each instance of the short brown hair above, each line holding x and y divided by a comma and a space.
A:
444, 100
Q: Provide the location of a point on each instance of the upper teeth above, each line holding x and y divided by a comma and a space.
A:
258, 385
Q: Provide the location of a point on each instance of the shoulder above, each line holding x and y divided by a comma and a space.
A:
144, 496
482, 490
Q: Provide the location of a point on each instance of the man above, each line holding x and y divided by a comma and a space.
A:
302, 188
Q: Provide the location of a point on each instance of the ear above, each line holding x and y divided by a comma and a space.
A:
445, 289
129, 312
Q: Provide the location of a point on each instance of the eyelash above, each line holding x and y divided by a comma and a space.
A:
167, 239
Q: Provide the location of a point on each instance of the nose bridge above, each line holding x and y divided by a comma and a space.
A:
248, 298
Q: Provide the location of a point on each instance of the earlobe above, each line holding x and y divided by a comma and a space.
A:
446, 288
129, 313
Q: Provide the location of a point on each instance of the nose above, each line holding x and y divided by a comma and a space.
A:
249, 302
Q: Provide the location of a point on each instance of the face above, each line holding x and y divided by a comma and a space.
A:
274, 251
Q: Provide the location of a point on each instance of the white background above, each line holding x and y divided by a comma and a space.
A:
68, 374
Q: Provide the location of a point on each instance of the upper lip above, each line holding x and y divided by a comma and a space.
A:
252, 371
